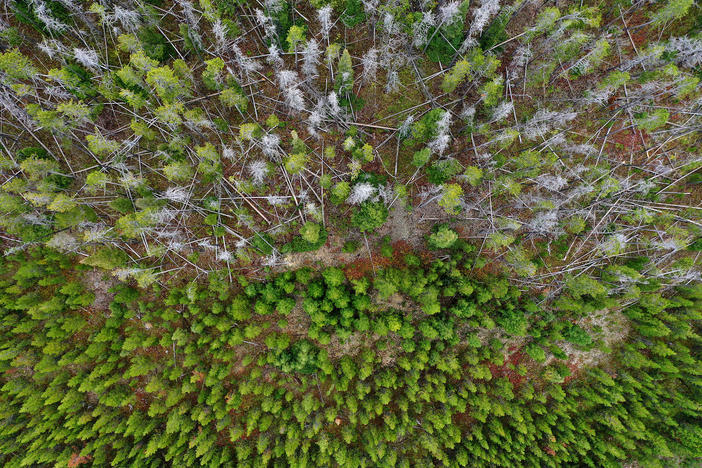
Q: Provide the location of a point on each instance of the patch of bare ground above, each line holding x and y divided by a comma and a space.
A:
512, 344
406, 230
403, 225
629, 145
485, 335
329, 254
395, 301
298, 320
351, 346
613, 328
388, 354
77, 460
99, 283
513, 358
369, 264
391, 345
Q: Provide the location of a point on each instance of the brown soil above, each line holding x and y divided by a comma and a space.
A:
514, 358
364, 266
350, 346
298, 320
99, 282
614, 329
77, 460
403, 225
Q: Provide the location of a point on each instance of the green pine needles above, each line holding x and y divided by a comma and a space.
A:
350, 233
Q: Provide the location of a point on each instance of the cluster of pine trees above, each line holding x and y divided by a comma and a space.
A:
178, 178
206, 375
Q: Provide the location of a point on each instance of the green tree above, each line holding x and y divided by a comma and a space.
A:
672, 10
107, 258
445, 40
211, 74
443, 238
16, 66
450, 199
369, 216
210, 164
344, 76
166, 84
340, 192
296, 36
353, 13
310, 232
